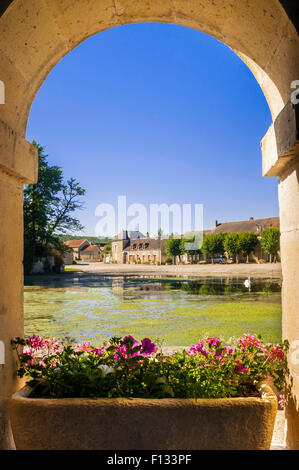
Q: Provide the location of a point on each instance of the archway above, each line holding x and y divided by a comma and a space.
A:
36, 34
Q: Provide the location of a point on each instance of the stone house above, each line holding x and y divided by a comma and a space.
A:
251, 225
120, 242
130, 247
145, 250
91, 253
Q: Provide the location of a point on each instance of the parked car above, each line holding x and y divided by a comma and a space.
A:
218, 259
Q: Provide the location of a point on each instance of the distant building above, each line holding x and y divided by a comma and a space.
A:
77, 246
68, 256
251, 225
91, 253
130, 247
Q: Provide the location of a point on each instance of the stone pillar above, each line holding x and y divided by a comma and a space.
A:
280, 149
18, 165
289, 226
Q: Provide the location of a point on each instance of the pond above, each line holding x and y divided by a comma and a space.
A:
174, 311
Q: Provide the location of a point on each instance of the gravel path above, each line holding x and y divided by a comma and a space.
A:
242, 269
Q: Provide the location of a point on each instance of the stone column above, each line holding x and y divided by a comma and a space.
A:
280, 149
289, 226
18, 165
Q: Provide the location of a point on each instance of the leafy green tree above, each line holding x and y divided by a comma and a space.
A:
173, 248
107, 247
213, 245
271, 241
48, 208
231, 245
184, 247
247, 242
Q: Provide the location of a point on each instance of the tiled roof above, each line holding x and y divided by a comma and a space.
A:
153, 244
91, 248
251, 225
128, 234
75, 243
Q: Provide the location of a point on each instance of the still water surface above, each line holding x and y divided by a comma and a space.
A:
174, 311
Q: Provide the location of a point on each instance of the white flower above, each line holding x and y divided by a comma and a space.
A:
106, 369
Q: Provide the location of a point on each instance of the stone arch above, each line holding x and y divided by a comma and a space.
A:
36, 34
46, 30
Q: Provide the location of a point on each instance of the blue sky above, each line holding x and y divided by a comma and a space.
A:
159, 113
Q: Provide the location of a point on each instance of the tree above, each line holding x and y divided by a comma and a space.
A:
48, 208
247, 243
160, 233
184, 247
173, 247
271, 241
213, 244
107, 247
231, 245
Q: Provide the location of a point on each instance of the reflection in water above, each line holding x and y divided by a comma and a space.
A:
176, 311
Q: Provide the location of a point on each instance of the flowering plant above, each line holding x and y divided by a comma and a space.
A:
125, 367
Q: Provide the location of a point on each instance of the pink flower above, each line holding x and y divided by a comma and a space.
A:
196, 349
130, 343
250, 341
240, 368
228, 350
29, 363
148, 347
35, 342
213, 342
282, 401
276, 352
85, 346
51, 344
41, 363
98, 352
53, 363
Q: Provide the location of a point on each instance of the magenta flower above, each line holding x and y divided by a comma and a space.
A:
250, 341
213, 342
196, 349
276, 352
148, 347
98, 352
121, 351
240, 368
282, 401
35, 342
29, 363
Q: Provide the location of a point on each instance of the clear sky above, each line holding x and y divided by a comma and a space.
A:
162, 114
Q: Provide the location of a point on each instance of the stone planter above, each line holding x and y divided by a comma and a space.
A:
137, 424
